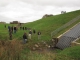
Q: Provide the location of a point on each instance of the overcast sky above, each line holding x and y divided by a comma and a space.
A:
31, 10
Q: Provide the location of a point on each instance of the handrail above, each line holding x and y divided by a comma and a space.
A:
64, 26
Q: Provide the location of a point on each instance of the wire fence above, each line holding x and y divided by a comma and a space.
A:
71, 35
64, 26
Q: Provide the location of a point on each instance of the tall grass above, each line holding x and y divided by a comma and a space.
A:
11, 50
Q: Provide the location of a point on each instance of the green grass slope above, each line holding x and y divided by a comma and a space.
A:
49, 24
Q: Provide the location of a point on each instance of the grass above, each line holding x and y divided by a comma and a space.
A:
41, 56
72, 53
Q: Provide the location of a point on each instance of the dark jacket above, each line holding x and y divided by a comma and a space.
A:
34, 31
39, 33
30, 32
25, 36
15, 28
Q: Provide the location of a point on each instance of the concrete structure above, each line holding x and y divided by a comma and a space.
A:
71, 35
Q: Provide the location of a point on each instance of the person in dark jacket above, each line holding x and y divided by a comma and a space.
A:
23, 27
15, 29
5, 26
10, 33
34, 31
12, 29
9, 28
20, 27
25, 37
39, 35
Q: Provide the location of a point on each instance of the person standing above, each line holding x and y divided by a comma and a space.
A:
9, 28
10, 33
5, 26
30, 33
25, 37
39, 35
20, 27
23, 27
34, 31
15, 29
12, 29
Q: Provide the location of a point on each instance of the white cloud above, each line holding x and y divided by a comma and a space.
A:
54, 2
30, 10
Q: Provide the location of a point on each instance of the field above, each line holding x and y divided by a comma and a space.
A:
37, 49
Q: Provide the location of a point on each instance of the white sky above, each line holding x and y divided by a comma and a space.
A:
31, 10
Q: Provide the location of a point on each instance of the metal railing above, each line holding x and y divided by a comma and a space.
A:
64, 26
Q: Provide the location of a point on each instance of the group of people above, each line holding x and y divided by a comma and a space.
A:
25, 35
13, 29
